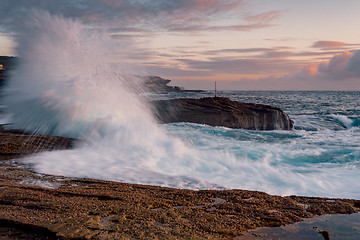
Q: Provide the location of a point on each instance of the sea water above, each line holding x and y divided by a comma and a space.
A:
320, 157
74, 88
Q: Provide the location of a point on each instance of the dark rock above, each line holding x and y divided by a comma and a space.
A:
218, 111
6, 63
325, 234
2, 78
158, 84
11, 230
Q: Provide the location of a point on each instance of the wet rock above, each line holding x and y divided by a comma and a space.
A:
218, 111
325, 235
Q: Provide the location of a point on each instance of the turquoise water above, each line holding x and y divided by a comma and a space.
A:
320, 157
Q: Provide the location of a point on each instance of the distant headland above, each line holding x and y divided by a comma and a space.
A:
6, 63
160, 85
155, 84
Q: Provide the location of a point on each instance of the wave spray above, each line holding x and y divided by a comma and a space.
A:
69, 84
66, 83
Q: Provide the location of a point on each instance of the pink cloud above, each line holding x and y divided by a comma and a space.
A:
264, 17
220, 5
335, 72
239, 28
341, 72
328, 45
354, 64
336, 67
310, 70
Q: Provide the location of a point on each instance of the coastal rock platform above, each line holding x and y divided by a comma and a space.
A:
58, 207
219, 111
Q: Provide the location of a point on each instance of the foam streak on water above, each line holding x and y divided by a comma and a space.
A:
72, 89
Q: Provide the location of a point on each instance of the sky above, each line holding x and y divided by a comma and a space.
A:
242, 45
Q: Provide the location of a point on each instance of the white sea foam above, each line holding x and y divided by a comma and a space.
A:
344, 120
71, 88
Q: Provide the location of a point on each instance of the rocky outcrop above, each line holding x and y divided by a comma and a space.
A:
6, 63
218, 111
2, 79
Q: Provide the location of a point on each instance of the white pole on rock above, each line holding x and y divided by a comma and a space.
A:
215, 88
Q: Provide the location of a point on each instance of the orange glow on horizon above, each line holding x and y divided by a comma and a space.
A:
228, 77
311, 69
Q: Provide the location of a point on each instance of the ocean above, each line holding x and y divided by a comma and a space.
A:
67, 84
320, 157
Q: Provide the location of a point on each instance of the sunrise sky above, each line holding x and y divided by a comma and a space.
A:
243, 45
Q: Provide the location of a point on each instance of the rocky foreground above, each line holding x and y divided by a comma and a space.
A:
56, 207
219, 111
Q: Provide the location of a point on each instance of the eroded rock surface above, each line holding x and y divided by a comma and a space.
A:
218, 111
94, 209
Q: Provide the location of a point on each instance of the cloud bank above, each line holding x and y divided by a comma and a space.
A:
272, 70
142, 15
341, 72
341, 67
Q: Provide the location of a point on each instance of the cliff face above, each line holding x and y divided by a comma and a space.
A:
220, 111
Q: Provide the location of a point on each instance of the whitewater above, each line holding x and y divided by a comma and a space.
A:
70, 83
